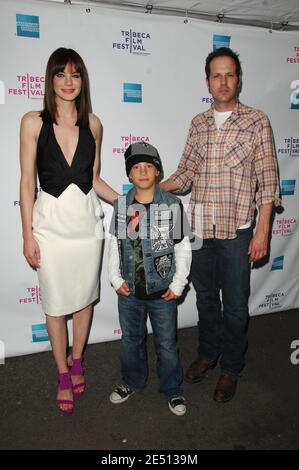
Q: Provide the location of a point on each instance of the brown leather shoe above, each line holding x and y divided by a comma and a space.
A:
198, 369
225, 388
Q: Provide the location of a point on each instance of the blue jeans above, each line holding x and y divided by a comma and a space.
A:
223, 265
134, 367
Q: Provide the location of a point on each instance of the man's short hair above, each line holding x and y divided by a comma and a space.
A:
223, 52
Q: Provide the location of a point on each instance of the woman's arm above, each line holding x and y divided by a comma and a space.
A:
103, 190
30, 126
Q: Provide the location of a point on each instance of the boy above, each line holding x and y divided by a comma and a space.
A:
149, 261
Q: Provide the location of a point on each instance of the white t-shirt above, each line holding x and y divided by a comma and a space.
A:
221, 117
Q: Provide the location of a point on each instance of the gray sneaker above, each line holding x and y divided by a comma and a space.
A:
120, 394
177, 405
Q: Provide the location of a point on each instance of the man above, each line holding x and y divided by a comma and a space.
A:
229, 163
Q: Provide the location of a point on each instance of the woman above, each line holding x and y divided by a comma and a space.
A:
60, 229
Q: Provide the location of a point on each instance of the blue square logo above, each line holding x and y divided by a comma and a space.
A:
27, 25
220, 41
127, 187
288, 187
295, 100
132, 93
277, 263
39, 333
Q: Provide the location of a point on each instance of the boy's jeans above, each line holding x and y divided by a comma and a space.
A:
134, 366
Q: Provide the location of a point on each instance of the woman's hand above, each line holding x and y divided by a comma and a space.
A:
31, 252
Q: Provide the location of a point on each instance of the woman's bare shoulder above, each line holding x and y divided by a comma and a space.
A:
94, 119
95, 125
32, 122
32, 118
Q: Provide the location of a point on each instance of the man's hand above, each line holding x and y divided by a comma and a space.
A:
169, 295
124, 290
258, 246
169, 185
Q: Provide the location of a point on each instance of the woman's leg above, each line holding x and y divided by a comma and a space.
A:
56, 327
81, 324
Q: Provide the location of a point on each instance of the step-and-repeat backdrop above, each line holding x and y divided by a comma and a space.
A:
147, 82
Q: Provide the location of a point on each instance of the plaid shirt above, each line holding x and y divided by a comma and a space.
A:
230, 170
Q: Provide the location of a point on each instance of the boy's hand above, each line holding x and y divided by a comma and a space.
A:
124, 290
169, 295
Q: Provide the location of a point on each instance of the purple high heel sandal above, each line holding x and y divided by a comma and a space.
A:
77, 369
65, 383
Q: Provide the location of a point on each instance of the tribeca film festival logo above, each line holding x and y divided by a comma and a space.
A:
127, 140
32, 296
284, 227
290, 147
134, 42
31, 86
295, 56
27, 25
272, 301
294, 97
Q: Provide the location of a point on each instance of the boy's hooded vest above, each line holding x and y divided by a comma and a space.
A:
157, 230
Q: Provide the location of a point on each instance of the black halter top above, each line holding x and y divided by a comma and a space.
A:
54, 172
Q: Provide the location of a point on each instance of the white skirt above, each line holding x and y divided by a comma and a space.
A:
69, 232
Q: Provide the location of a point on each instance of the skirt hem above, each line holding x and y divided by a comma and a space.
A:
63, 311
